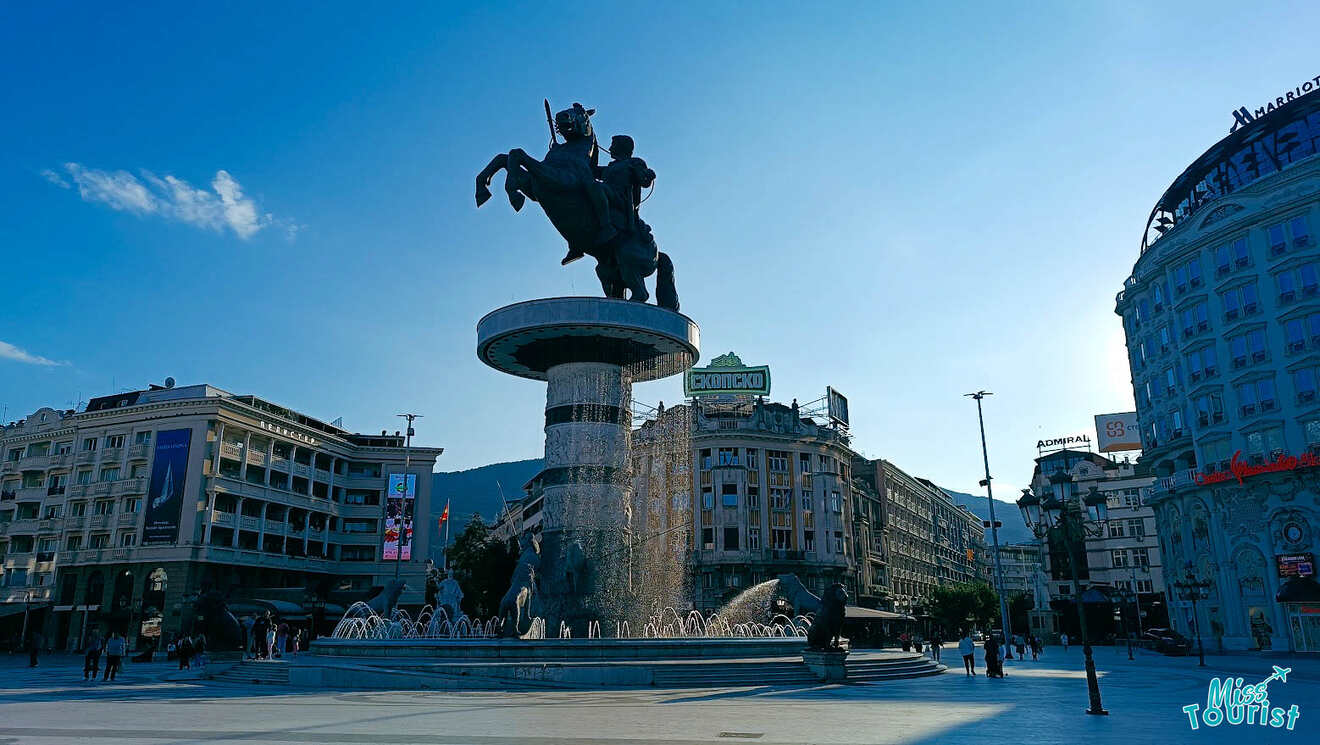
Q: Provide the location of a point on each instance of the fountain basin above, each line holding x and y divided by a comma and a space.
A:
562, 650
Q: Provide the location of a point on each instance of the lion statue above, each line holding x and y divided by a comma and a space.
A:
382, 604
826, 627
223, 631
515, 607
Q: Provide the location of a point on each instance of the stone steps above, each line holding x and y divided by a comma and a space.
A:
862, 670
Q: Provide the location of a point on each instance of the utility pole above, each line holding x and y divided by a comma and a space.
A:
403, 508
994, 526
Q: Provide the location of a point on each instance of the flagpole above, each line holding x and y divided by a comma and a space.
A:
446, 546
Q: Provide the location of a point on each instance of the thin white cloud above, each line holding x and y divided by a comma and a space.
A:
222, 207
54, 178
10, 352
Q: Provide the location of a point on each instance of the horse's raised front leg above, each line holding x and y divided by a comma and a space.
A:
488, 173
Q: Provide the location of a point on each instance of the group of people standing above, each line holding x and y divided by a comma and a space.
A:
114, 647
268, 640
996, 651
188, 650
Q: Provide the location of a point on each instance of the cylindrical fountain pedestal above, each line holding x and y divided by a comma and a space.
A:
589, 351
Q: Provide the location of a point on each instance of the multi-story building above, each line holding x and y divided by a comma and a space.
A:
930, 541
764, 489
1023, 573
870, 585
118, 514
1222, 316
1126, 556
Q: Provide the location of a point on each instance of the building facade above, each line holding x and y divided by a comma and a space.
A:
1126, 557
764, 489
1222, 317
120, 514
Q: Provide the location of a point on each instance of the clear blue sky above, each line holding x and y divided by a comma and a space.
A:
907, 202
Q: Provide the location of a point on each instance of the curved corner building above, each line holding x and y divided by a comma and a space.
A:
1222, 315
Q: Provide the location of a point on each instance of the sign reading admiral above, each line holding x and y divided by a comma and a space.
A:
1244, 116
1063, 442
727, 374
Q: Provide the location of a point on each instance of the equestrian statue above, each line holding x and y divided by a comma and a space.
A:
594, 207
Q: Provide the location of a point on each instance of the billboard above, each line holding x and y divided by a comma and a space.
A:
838, 405
169, 473
400, 499
1117, 432
727, 374
1295, 565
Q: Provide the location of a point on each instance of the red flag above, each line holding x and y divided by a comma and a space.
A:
444, 515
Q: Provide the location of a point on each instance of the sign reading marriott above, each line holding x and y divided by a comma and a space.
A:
1244, 115
727, 374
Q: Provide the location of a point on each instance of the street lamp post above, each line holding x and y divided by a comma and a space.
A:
1193, 589
1125, 597
403, 510
994, 528
27, 608
1059, 512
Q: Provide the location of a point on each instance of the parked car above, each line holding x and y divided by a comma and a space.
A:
1167, 641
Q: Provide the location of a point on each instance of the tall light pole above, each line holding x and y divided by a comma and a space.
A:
27, 608
994, 526
1193, 589
403, 508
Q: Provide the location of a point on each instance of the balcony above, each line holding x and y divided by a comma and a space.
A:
45, 556
302, 469
249, 523
77, 523
30, 462
127, 519
7, 495
256, 458
85, 456
98, 522
61, 460
55, 491
112, 455
139, 451
136, 485
231, 450
223, 519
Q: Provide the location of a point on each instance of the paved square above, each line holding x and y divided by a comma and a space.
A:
1039, 702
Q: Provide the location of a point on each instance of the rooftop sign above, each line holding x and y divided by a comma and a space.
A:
1243, 116
1063, 442
727, 375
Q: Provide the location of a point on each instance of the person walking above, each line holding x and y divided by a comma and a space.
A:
92, 658
967, 648
184, 649
1035, 648
1021, 646
936, 645
34, 647
271, 631
1063, 639
259, 629
199, 650
115, 646
295, 642
282, 639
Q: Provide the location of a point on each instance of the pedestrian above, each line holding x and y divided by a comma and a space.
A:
271, 631
92, 658
184, 649
259, 629
994, 662
295, 642
967, 648
936, 645
1035, 648
34, 647
199, 650
1021, 646
282, 639
115, 646
249, 623
1063, 639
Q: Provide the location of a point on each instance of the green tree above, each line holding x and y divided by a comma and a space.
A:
955, 606
482, 566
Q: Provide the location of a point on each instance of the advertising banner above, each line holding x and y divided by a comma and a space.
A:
727, 375
400, 499
1117, 432
838, 406
1295, 565
169, 472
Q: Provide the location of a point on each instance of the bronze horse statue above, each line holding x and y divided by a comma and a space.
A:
595, 220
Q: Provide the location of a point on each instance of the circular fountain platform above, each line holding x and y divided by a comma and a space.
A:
528, 338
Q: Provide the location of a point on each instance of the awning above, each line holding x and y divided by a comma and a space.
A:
10, 609
258, 606
871, 614
1299, 590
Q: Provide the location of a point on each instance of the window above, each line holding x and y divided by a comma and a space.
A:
99, 540
729, 495
1196, 318
110, 474
1242, 300
1275, 239
77, 509
780, 538
1137, 528
730, 539
114, 441
357, 553
89, 444
753, 539
1141, 557
836, 503
1171, 379
809, 540
1116, 529
132, 505
54, 511
137, 470
728, 456
751, 459
104, 507
707, 499
1304, 382
708, 539
779, 499
1215, 454
1294, 335
1209, 408
776, 460
1187, 275
142, 438
1256, 395
128, 539
754, 497
705, 459
73, 543
62, 448
1119, 558
804, 462
1301, 234
1145, 585
1265, 444
1248, 348
1202, 363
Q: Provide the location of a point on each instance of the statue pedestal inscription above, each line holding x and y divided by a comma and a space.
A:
827, 664
589, 351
